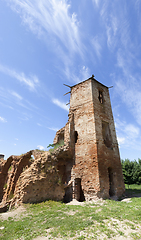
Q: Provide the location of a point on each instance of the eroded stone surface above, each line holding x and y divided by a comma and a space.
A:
34, 180
90, 133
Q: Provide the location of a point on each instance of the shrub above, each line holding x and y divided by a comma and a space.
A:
55, 146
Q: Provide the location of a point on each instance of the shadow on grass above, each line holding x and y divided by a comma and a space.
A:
133, 190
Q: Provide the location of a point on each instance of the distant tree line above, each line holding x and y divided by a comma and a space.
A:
131, 171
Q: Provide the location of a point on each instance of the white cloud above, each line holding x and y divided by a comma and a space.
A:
96, 2
97, 46
130, 93
24, 118
116, 22
16, 95
82, 74
121, 140
132, 131
31, 82
127, 84
3, 120
111, 30
40, 147
124, 61
85, 73
53, 129
50, 17
128, 135
60, 104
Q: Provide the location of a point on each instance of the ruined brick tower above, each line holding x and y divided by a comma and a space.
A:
86, 167
95, 170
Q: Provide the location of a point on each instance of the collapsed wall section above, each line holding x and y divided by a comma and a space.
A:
31, 180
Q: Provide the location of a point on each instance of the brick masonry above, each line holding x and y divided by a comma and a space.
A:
90, 133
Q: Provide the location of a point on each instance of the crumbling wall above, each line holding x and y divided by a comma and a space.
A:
39, 182
18, 164
59, 136
32, 180
4, 167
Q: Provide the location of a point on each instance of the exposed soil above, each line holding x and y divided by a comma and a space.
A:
122, 226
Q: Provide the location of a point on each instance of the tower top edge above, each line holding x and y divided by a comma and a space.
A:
91, 78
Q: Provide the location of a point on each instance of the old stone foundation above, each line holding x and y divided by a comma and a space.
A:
85, 168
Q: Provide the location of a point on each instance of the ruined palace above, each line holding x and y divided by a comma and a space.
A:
86, 167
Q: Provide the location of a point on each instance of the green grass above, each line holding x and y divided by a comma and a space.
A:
132, 189
89, 221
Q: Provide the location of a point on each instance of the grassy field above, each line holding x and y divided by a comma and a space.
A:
100, 220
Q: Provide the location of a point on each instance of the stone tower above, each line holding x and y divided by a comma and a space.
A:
90, 134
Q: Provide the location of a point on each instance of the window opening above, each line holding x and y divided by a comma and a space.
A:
106, 134
75, 136
100, 97
111, 182
61, 137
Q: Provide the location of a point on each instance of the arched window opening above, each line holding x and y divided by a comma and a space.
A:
100, 97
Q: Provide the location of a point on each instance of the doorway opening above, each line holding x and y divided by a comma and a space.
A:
79, 194
111, 182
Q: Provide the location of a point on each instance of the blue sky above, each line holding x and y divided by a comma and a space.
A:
46, 43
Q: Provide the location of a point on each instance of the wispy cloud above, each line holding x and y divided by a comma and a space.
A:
83, 73
3, 120
97, 46
112, 30
53, 129
31, 82
128, 84
50, 128
52, 17
96, 2
15, 94
128, 134
130, 95
60, 104
116, 21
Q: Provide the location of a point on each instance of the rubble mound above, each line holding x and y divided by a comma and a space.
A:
33, 177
